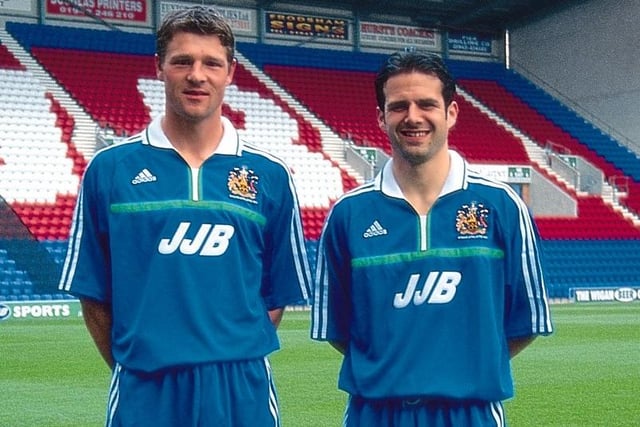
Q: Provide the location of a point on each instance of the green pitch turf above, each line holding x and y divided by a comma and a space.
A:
586, 374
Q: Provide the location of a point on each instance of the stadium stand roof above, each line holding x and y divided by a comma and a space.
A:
484, 16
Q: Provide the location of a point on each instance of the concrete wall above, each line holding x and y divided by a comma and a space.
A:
590, 53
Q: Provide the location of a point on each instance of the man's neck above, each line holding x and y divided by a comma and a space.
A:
422, 184
194, 141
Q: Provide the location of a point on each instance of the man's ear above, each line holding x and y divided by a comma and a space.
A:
159, 72
232, 70
380, 116
452, 114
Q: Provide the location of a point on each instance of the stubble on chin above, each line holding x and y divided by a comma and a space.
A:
416, 156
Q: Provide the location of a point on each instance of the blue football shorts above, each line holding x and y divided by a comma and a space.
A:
422, 413
223, 394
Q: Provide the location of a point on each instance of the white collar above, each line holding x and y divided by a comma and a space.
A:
456, 178
230, 143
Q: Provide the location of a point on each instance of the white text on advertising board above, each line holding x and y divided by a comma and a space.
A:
607, 295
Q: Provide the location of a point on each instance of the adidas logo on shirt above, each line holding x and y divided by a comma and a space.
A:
143, 176
374, 230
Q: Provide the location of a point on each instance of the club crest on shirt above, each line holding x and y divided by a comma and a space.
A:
242, 184
471, 220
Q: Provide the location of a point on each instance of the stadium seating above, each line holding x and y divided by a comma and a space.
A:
537, 115
590, 263
349, 107
108, 92
8, 61
596, 221
35, 145
112, 77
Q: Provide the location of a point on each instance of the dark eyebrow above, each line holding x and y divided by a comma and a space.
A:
429, 102
180, 58
397, 104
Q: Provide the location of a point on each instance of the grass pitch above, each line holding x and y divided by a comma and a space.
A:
586, 374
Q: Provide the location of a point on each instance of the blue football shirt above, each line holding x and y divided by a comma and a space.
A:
190, 259
425, 304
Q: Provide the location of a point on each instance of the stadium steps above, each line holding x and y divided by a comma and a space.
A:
610, 196
595, 146
84, 133
539, 157
536, 153
332, 144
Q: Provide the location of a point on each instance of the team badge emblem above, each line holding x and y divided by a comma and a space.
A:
242, 183
471, 220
